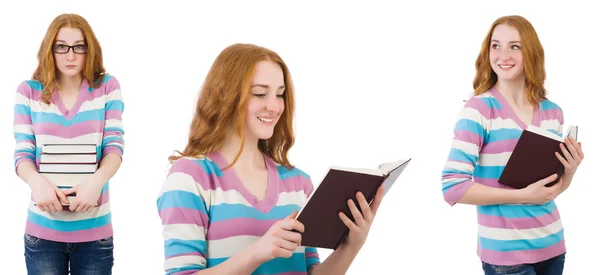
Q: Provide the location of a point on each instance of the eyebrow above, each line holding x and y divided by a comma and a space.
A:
78, 41
266, 86
494, 40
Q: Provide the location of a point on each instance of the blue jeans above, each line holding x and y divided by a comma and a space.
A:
44, 257
552, 266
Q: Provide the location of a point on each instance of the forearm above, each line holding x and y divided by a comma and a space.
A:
241, 263
26, 171
479, 194
108, 167
338, 261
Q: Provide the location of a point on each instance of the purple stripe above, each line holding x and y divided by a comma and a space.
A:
186, 254
452, 195
518, 223
311, 255
27, 141
24, 154
72, 237
104, 198
238, 227
478, 104
105, 89
456, 176
294, 184
187, 272
111, 149
496, 147
189, 167
467, 136
521, 256
553, 114
73, 131
183, 216
113, 114
490, 182
22, 119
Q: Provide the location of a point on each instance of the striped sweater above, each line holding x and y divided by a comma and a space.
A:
208, 215
484, 138
94, 118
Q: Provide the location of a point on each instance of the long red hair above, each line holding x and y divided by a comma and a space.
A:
223, 102
93, 70
533, 60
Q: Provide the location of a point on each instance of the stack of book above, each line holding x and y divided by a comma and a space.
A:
66, 165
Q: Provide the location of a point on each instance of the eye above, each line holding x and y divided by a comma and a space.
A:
515, 47
282, 95
259, 95
495, 46
80, 47
61, 46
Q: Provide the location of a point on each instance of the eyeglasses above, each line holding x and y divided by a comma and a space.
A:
63, 49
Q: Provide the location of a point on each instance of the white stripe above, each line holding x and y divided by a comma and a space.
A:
230, 246
188, 232
499, 159
92, 105
501, 123
23, 128
523, 234
467, 147
474, 115
182, 261
114, 95
72, 216
113, 123
24, 145
552, 124
461, 166
93, 138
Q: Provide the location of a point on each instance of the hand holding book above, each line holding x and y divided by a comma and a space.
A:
47, 196
87, 194
573, 155
359, 228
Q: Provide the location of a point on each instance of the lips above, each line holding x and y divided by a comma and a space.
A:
506, 66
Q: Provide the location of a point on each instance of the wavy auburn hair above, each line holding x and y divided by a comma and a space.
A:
533, 60
93, 70
223, 102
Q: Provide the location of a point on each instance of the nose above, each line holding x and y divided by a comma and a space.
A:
70, 55
273, 104
504, 54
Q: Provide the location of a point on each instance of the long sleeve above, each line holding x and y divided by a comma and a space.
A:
184, 214
112, 139
310, 253
23, 126
470, 133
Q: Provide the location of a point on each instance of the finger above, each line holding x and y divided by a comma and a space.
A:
90, 208
377, 201
80, 207
580, 150
43, 207
290, 236
69, 191
57, 205
283, 253
61, 196
358, 217
51, 206
292, 224
74, 205
547, 180
293, 215
566, 153
287, 245
364, 207
348, 222
562, 160
571, 146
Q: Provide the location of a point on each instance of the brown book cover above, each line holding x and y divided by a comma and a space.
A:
533, 158
322, 226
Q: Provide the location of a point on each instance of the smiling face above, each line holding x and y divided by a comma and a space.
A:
69, 60
266, 101
506, 56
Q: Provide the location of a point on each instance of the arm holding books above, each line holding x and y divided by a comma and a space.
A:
574, 156
45, 194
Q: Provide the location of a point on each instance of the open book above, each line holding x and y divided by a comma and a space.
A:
533, 158
323, 227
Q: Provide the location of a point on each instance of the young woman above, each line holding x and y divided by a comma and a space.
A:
520, 231
229, 202
70, 100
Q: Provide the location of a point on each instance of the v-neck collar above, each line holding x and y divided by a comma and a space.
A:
272, 195
81, 97
505, 104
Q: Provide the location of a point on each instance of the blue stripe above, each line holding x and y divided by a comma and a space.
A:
181, 199
174, 247
185, 268
285, 173
23, 137
26, 150
516, 245
106, 78
447, 185
209, 167
296, 263
110, 139
68, 226
34, 84
488, 172
461, 156
491, 102
517, 211
449, 171
469, 125
21, 109
224, 212
554, 132
17, 159
115, 129
114, 105
548, 105
504, 134
91, 115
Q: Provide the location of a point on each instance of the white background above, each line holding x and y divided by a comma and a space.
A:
374, 83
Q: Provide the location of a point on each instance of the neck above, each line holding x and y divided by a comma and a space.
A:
513, 90
69, 84
250, 158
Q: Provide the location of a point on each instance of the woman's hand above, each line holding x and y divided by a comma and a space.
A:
359, 229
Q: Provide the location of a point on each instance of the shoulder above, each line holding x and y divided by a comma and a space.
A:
109, 84
28, 87
295, 179
199, 171
295, 172
548, 105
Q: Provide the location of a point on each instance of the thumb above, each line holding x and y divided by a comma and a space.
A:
547, 180
70, 191
61, 196
293, 215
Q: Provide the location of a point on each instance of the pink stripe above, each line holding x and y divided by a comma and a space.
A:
478, 104
467, 136
105, 89
452, 195
27, 91
73, 131
456, 176
104, 198
553, 114
295, 184
491, 183
24, 154
238, 227
27, 141
21, 160
183, 216
312, 255
22, 119
502, 146
113, 114
112, 149
186, 254
72, 237
189, 167
187, 272
518, 223
521, 256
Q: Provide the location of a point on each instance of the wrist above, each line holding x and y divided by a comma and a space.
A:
253, 258
519, 196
